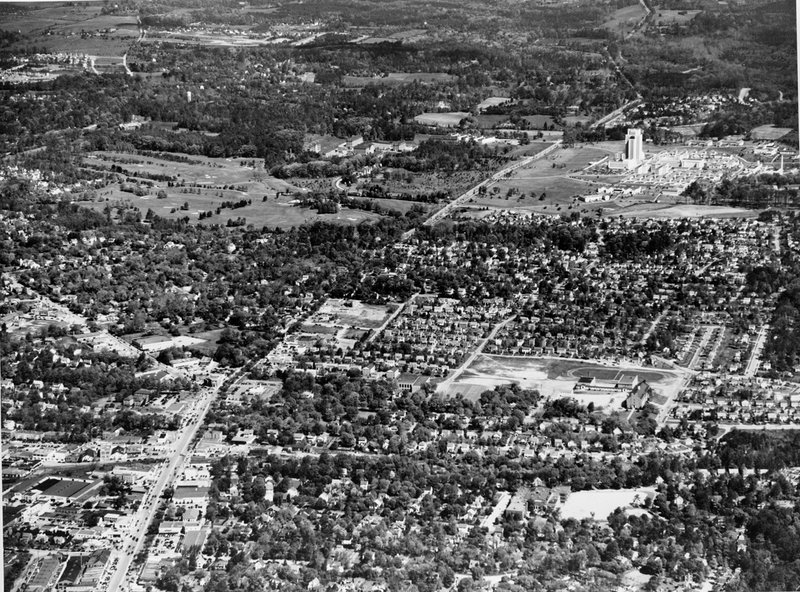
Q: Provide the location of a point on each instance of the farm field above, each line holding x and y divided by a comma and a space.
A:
31, 18
75, 27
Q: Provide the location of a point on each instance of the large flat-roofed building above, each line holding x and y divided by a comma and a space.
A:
191, 497
49, 571
624, 383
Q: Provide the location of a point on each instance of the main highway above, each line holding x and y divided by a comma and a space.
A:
133, 543
134, 540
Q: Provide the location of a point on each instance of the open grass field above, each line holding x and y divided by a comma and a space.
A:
624, 19
661, 210
651, 376
206, 38
601, 503
199, 170
441, 119
107, 45
402, 205
21, 326
73, 27
559, 368
210, 182
326, 184
31, 18
401, 78
210, 340
278, 212
553, 176
675, 17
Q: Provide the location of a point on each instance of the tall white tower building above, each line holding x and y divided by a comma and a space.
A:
634, 153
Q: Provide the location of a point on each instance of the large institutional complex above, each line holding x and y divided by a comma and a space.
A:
634, 152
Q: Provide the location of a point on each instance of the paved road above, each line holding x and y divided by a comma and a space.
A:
639, 25
617, 112
448, 382
671, 393
133, 544
754, 362
500, 507
706, 337
445, 211
653, 326
388, 321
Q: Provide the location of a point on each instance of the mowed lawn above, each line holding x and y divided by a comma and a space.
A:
199, 170
451, 119
275, 212
209, 183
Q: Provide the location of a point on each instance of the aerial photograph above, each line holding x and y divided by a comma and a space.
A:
399, 296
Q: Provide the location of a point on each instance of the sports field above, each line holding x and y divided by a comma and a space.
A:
601, 503
552, 377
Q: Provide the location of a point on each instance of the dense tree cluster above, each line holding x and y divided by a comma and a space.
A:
706, 514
